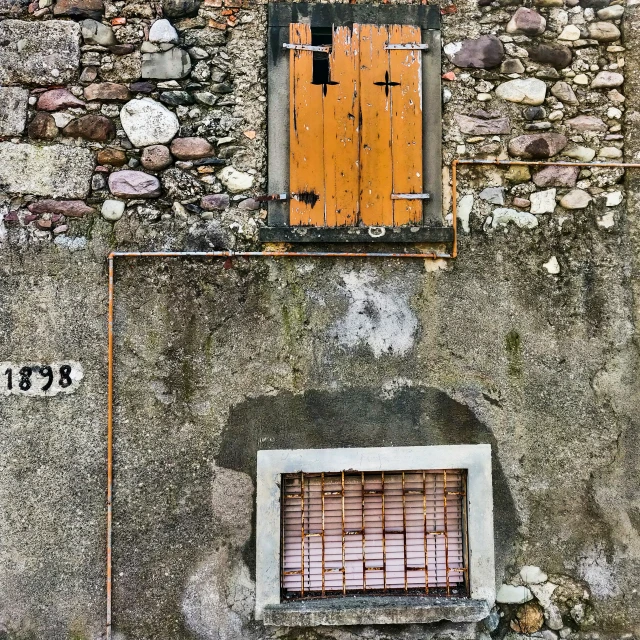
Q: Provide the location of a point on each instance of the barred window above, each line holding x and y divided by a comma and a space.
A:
374, 533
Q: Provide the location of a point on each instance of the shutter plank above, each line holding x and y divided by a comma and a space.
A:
406, 123
341, 130
376, 185
306, 160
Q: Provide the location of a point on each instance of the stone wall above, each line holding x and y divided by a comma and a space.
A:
140, 125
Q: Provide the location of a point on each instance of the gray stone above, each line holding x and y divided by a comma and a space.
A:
13, 110
133, 184
513, 65
524, 220
163, 31
94, 32
249, 204
607, 80
508, 593
575, 199
484, 52
604, 31
614, 12
577, 152
494, 195
543, 201
58, 171
112, 210
533, 113
523, 90
180, 8
234, 180
587, 123
166, 65
480, 126
527, 21
556, 56
556, 176
564, 93
537, 145
41, 53
147, 122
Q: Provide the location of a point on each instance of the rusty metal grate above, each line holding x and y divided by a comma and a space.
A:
379, 533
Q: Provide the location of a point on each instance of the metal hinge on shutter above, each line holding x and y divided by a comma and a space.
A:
410, 196
286, 196
407, 47
307, 47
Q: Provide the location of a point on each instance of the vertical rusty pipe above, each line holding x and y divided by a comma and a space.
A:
109, 444
454, 206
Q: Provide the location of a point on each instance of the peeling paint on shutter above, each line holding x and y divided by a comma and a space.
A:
307, 157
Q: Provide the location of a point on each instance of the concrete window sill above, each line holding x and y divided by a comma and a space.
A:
374, 610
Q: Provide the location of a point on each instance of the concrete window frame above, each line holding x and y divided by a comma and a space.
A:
271, 465
280, 16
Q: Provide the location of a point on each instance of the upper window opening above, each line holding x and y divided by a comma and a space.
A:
321, 36
366, 533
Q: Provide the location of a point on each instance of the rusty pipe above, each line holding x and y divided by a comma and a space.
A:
269, 254
110, 325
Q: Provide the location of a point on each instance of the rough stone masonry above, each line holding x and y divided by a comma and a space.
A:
138, 125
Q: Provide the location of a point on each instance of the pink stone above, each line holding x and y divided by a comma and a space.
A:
69, 208
191, 148
58, 99
134, 184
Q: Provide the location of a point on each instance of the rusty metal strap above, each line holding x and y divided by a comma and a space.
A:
407, 47
307, 47
410, 196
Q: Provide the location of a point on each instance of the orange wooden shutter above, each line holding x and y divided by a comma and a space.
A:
358, 140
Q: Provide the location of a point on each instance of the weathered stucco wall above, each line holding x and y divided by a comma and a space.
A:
527, 341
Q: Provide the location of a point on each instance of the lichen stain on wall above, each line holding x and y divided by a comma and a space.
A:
378, 316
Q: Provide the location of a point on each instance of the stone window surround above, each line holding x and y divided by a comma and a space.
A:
281, 15
476, 459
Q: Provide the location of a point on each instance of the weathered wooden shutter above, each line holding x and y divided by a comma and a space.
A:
357, 141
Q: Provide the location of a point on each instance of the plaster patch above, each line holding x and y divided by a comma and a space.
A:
232, 498
594, 569
218, 598
378, 317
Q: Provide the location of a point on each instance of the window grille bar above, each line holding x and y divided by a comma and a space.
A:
384, 540
364, 529
404, 532
426, 537
344, 565
446, 532
302, 538
323, 511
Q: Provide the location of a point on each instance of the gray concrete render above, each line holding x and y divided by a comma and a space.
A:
144, 126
